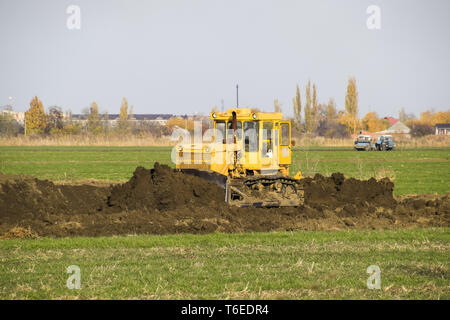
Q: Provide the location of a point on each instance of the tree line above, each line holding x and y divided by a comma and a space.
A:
324, 119
310, 118
56, 123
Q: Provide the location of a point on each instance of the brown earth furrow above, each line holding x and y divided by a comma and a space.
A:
162, 200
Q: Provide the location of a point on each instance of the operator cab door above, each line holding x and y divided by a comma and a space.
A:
220, 137
285, 143
251, 143
230, 141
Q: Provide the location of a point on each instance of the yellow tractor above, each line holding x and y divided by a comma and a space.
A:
248, 154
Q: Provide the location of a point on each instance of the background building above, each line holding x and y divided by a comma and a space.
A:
442, 129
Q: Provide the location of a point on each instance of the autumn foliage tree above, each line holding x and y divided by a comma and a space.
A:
308, 111
297, 104
314, 109
431, 118
351, 98
93, 121
350, 118
372, 123
426, 122
331, 110
35, 117
186, 123
123, 116
353, 124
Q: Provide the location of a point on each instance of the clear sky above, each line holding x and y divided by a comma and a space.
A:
185, 56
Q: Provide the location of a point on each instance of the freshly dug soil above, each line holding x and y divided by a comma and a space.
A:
162, 188
162, 200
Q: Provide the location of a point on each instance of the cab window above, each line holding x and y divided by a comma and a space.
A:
238, 131
251, 135
267, 138
220, 131
285, 134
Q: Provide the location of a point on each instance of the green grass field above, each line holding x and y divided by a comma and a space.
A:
290, 265
414, 171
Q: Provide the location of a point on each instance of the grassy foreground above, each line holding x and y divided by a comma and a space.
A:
413, 171
290, 265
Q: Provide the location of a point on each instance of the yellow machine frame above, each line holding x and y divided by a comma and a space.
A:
273, 154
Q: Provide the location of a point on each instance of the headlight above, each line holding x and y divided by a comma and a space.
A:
206, 149
214, 115
254, 116
180, 148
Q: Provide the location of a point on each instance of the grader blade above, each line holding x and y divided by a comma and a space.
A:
208, 175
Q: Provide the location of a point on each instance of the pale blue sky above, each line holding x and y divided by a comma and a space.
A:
180, 56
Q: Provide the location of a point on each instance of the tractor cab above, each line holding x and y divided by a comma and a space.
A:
385, 142
252, 142
363, 142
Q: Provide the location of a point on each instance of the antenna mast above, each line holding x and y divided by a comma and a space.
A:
237, 96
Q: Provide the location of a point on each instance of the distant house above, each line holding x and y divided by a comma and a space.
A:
398, 128
18, 116
442, 129
391, 120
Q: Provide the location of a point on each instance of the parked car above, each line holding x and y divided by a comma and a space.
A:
363, 143
384, 143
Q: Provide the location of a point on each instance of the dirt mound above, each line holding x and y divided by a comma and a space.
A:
335, 191
162, 200
163, 188
27, 197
